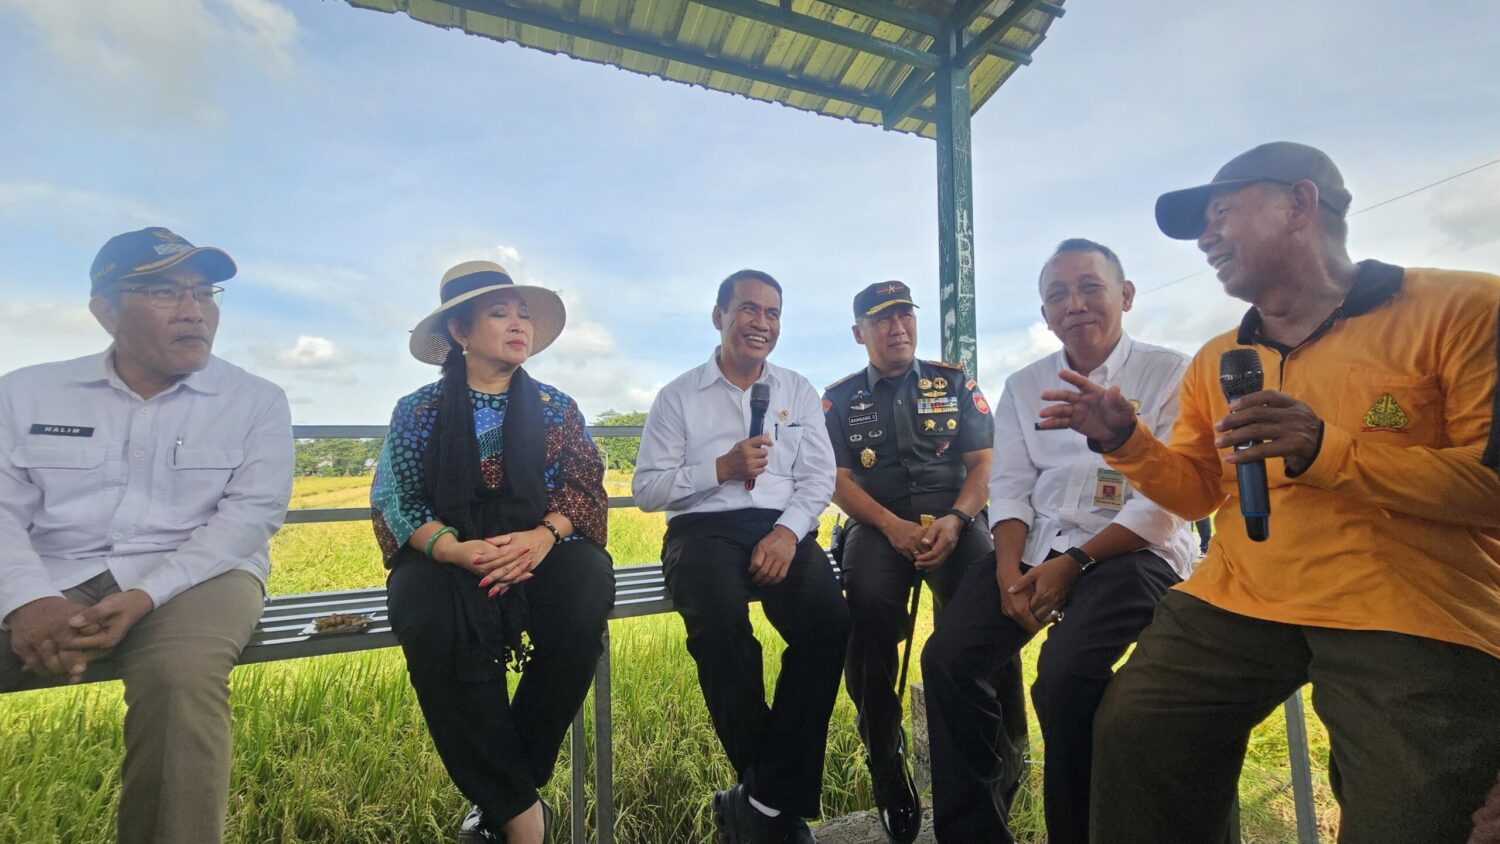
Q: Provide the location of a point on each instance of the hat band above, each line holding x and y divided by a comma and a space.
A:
469, 283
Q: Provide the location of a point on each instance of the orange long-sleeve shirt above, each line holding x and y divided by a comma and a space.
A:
1396, 524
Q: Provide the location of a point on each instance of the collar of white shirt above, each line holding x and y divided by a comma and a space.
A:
100, 368
1112, 366
710, 373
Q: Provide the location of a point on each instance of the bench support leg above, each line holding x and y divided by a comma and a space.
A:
579, 807
604, 793
1302, 792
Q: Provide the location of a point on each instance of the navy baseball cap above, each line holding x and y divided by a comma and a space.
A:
877, 297
154, 250
1179, 214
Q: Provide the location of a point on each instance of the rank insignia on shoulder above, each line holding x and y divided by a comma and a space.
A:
867, 458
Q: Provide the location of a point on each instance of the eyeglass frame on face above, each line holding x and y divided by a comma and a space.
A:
178, 293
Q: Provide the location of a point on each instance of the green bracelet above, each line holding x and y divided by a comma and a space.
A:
432, 541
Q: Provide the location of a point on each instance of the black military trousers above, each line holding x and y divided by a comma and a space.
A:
877, 583
777, 750
500, 751
1107, 609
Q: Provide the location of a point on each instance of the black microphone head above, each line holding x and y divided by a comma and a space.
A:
1240, 373
760, 396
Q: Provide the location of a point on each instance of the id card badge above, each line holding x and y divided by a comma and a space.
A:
1109, 489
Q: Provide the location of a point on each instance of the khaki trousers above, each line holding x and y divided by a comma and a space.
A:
174, 783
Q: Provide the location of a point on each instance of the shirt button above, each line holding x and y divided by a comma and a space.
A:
145, 411
898, 401
116, 535
137, 454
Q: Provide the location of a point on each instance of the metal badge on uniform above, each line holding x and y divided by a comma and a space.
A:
62, 430
1109, 489
854, 438
951, 424
864, 405
867, 458
940, 383
863, 419
784, 414
924, 384
929, 425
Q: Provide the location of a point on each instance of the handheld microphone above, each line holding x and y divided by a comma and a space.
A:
760, 401
1240, 375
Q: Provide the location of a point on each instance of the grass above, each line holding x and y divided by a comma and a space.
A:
334, 749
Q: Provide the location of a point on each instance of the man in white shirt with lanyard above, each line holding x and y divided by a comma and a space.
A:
1075, 547
742, 521
138, 489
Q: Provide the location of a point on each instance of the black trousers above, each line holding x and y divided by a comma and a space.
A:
1107, 609
777, 750
1414, 736
877, 583
500, 751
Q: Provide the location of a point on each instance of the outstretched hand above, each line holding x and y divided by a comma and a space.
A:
1097, 413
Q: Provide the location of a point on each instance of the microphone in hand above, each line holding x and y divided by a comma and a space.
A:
1240, 375
760, 401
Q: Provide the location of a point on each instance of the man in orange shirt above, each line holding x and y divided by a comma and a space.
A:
1380, 581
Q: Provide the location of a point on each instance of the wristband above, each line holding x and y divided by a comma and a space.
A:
432, 540
552, 529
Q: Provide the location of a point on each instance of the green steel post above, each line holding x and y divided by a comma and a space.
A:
955, 207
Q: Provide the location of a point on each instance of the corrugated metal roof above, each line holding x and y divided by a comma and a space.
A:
843, 58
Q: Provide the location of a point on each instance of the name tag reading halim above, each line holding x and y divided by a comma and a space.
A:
61, 430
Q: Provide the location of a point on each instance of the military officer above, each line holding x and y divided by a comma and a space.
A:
913, 440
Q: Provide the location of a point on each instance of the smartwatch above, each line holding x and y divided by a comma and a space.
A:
967, 519
1080, 557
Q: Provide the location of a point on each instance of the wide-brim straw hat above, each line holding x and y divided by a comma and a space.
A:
430, 339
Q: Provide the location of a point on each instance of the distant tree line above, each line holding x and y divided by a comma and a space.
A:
619, 452
339, 458
345, 457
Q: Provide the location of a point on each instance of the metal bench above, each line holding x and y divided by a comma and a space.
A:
639, 590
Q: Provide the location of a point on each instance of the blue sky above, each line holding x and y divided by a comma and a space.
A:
346, 158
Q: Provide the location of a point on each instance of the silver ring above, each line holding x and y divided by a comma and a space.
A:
1055, 615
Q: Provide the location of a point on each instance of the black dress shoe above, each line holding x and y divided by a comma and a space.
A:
476, 829
896, 800
799, 833
740, 823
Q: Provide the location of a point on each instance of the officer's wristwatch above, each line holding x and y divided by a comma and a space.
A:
1080, 557
967, 519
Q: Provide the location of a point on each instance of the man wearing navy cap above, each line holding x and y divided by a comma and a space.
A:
913, 443
139, 487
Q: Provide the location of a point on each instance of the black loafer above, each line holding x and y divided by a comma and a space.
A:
476, 830
740, 823
896, 800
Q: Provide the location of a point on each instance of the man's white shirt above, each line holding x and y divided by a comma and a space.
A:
163, 493
1052, 481
700, 415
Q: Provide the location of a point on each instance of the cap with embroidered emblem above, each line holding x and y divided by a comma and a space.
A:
151, 251
879, 296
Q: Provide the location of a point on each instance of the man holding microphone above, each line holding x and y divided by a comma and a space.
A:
1379, 582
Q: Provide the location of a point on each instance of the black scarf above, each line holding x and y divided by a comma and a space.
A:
492, 637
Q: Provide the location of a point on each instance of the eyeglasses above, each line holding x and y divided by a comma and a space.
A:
168, 296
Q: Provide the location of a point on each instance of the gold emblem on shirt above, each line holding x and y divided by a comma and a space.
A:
929, 425
867, 458
924, 384
953, 424
1386, 415
940, 383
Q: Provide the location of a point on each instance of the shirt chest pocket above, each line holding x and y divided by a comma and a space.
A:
1402, 410
786, 444
68, 476
198, 478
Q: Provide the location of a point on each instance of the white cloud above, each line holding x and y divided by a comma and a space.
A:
1002, 354
310, 353
48, 318
176, 51
43, 199
1468, 211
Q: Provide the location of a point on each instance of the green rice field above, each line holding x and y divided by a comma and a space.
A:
333, 749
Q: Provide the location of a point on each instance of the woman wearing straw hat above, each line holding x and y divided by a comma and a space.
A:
490, 510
